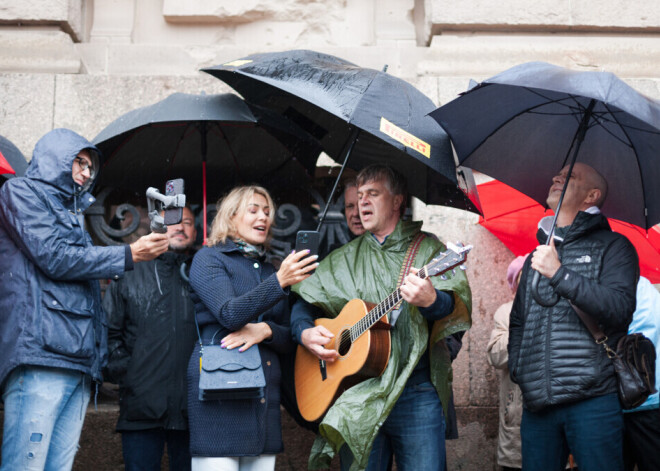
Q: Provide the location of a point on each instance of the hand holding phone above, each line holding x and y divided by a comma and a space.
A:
300, 264
308, 240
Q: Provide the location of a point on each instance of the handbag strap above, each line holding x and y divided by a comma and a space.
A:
409, 258
596, 332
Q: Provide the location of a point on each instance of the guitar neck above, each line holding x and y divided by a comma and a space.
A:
380, 310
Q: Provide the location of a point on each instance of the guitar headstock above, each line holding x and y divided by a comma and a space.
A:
454, 256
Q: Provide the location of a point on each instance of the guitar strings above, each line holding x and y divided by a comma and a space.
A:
379, 311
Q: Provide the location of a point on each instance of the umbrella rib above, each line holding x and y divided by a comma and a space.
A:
598, 117
218, 129
178, 145
560, 101
127, 138
580, 108
639, 170
601, 117
362, 95
511, 118
512, 211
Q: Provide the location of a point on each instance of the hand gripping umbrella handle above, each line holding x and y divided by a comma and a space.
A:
537, 297
577, 140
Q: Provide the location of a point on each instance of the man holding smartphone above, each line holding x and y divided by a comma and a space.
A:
52, 327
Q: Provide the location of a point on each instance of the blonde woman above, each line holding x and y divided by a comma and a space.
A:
237, 291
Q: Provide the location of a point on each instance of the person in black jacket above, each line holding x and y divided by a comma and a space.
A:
567, 380
150, 336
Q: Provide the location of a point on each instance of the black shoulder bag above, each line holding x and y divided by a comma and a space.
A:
634, 362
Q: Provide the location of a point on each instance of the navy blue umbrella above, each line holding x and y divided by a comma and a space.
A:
525, 124
522, 127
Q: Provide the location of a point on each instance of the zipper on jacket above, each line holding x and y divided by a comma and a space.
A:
547, 357
547, 339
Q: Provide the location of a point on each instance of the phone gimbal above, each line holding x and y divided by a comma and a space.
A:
157, 202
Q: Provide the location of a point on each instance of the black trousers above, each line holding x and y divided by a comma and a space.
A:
641, 442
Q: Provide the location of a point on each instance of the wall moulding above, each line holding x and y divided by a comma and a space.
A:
68, 15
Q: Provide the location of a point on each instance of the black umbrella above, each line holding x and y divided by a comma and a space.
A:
527, 123
367, 114
187, 136
13, 159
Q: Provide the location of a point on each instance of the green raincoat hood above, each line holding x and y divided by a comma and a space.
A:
365, 269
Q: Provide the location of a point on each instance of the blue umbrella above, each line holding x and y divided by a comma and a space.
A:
525, 124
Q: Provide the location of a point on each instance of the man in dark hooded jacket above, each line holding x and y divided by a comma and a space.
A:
567, 380
52, 326
151, 334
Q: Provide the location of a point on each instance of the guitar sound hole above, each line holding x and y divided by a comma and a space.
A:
344, 343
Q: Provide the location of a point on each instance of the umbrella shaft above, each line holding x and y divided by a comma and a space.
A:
351, 141
579, 137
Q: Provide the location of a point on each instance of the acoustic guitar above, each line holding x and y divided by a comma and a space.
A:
362, 339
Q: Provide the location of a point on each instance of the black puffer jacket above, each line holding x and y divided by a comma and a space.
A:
552, 355
150, 336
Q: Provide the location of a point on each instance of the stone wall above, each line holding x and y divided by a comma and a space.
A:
82, 63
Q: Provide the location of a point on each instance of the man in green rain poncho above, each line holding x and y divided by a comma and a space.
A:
400, 411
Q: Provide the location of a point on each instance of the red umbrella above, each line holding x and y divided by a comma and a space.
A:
513, 217
4, 165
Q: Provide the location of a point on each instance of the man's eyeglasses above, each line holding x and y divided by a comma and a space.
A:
84, 164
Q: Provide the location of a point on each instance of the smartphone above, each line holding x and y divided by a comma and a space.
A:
308, 240
174, 215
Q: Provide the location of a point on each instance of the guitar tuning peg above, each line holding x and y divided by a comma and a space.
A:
443, 277
462, 267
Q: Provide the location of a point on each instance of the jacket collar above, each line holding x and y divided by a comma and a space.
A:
399, 238
175, 257
585, 222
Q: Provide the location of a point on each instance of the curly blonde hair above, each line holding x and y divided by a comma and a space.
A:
236, 202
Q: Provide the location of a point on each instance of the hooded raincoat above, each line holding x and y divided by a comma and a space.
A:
50, 303
365, 269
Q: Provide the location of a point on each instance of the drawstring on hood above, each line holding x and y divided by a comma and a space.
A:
157, 277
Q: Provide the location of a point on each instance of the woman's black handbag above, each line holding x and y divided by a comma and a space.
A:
634, 363
229, 374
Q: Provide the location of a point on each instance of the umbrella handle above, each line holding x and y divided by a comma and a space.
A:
535, 292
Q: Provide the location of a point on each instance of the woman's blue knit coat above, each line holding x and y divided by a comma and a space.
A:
230, 290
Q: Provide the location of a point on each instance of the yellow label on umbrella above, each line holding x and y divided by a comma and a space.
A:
238, 63
405, 138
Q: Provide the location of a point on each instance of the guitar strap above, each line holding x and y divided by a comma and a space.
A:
408, 260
